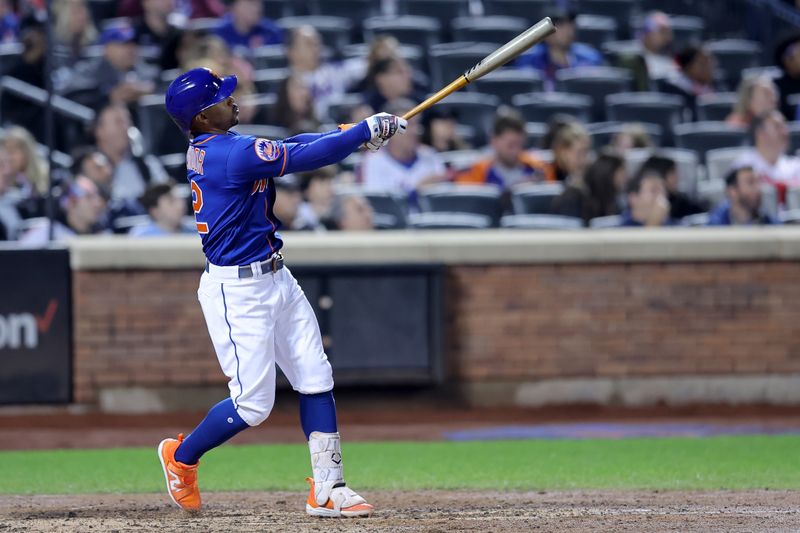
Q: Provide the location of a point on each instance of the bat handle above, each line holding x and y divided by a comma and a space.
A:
457, 84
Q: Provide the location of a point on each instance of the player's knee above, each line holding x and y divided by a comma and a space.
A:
254, 413
315, 380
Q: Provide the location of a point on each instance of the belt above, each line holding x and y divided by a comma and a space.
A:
273, 264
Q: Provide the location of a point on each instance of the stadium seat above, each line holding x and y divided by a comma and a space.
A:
450, 60
612, 221
388, 205
9, 52
355, 10
506, 83
125, 224
685, 29
619, 10
616, 50
410, 52
442, 10
276, 9
473, 109
175, 165
269, 79
675, 7
602, 133
535, 198
596, 83
595, 29
530, 10
540, 107
536, 132
686, 161
698, 220
159, 133
268, 57
704, 136
794, 137
335, 31
341, 106
541, 222
409, 29
664, 110
772, 72
715, 106
448, 221
769, 200
733, 56
472, 199
491, 29
458, 160
720, 161
793, 198
101, 10
265, 106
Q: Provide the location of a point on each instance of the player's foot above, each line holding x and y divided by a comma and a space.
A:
343, 501
181, 478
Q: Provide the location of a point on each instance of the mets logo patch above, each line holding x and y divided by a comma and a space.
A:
267, 150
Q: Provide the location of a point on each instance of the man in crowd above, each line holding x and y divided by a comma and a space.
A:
317, 190
509, 163
351, 212
743, 204
83, 209
655, 59
647, 201
245, 26
681, 204
166, 211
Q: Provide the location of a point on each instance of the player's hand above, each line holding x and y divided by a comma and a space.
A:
383, 127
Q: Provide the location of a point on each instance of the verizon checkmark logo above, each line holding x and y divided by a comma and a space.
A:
22, 330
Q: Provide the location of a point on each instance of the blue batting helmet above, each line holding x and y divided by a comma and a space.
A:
195, 91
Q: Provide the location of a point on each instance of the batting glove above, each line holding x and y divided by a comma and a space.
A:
382, 127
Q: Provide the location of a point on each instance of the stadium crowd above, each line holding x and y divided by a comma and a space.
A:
644, 122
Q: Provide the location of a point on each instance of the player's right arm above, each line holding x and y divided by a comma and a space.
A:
252, 159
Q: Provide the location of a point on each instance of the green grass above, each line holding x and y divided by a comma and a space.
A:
668, 463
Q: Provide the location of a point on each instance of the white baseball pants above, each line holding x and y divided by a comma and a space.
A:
255, 323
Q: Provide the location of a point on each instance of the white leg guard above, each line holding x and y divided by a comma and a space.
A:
330, 495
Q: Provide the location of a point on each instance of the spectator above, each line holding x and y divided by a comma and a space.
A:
155, 27
28, 171
119, 77
509, 163
287, 202
132, 172
166, 211
743, 204
694, 77
74, 30
317, 189
787, 57
326, 80
390, 79
648, 205
768, 158
554, 125
30, 69
9, 23
89, 162
440, 130
294, 108
571, 144
598, 193
351, 212
83, 208
655, 60
244, 26
632, 136
9, 197
560, 50
681, 204
403, 165
756, 97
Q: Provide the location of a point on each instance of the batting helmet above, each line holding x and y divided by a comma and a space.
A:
195, 91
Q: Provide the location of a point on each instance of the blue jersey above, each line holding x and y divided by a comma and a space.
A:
233, 191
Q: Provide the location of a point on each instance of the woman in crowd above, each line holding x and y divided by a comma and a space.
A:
598, 193
27, 169
756, 97
570, 146
294, 109
74, 29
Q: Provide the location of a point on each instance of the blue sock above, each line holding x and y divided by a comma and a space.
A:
318, 413
220, 424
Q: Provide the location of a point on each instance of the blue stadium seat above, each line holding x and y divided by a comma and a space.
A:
488, 29
481, 200
410, 52
506, 83
686, 160
602, 133
612, 221
540, 107
664, 110
270, 56
535, 132
543, 222
353, 9
160, 134
409, 29
715, 106
473, 109
442, 10
448, 221
530, 10
596, 83
704, 136
535, 198
276, 9
619, 10
335, 31
595, 29
450, 60
733, 56
269, 79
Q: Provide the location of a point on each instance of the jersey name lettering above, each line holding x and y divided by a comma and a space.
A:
194, 159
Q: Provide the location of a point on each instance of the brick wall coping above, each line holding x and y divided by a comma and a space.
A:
464, 247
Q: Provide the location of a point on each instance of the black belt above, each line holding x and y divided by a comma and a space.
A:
273, 264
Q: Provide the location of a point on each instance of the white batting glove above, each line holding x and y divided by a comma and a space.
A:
383, 127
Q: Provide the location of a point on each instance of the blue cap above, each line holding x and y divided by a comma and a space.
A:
195, 91
117, 33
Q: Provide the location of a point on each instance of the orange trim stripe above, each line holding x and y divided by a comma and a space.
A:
284, 161
205, 140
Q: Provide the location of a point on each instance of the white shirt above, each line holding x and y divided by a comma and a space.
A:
660, 66
331, 80
786, 169
381, 171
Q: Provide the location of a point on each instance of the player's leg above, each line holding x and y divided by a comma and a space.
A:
239, 316
302, 359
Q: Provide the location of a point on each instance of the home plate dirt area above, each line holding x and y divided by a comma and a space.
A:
427, 511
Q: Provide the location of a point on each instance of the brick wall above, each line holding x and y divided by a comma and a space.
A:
515, 323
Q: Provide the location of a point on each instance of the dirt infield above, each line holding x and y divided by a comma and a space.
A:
420, 511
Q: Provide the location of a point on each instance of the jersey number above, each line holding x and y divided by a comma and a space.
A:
197, 205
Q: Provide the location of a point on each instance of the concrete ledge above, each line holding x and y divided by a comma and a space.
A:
483, 247
640, 392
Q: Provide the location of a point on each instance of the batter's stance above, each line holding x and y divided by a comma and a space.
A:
256, 313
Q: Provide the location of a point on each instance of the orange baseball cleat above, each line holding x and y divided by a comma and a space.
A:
181, 478
343, 502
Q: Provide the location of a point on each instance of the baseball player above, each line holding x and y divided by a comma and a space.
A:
256, 313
